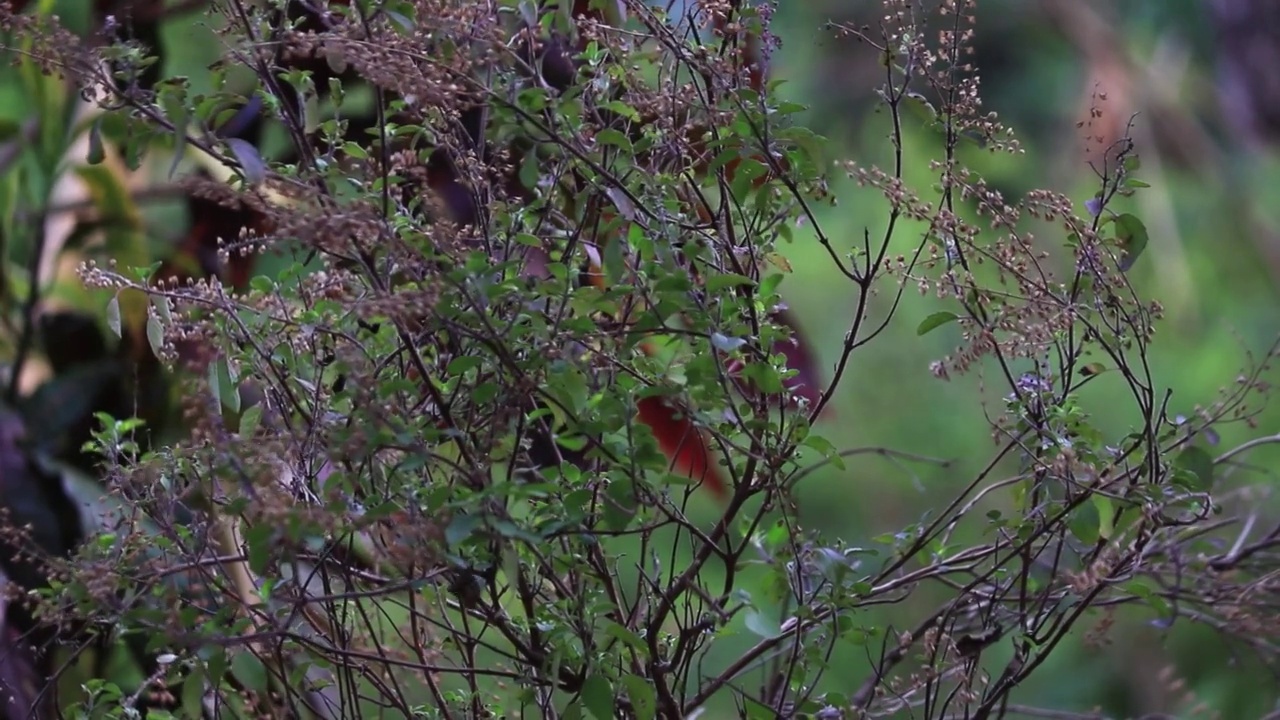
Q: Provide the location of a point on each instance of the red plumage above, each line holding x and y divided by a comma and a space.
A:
682, 442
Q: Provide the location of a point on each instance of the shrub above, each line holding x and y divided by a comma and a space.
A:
490, 402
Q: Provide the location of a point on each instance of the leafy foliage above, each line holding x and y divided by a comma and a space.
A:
412, 420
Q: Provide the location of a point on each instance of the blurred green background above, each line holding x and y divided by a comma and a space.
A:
1214, 262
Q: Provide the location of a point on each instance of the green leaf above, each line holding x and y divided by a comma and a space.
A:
113, 315
193, 690
460, 528
1131, 235
1084, 522
935, 321
250, 420
644, 699
760, 625
619, 632
716, 283
230, 385
597, 697
1199, 463
260, 541
161, 304
96, 152
824, 446
921, 107
755, 710
748, 170
155, 335
215, 385
615, 262
249, 670
460, 365
622, 109
609, 136
1106, 516
620, 504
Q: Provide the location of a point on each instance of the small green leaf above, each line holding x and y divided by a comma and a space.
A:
193, 689
644, 699
765, 627
1106, 516
597, 697
620, 504
615, 262
460, 365
622, 109
96, 152
249, 670
935, 321
716, 283
155, 335
609, 136
161, 304
1199, 463
1131, 235
921, 106
215, 385
824, 446
260, 540
230, 386
250, 420
616, 630
460, 528
113, 315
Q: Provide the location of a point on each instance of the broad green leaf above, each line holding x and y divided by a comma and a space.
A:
460, 528
249, 421
1199, 463
717, 283
250, 671
620, 504
644, 699
760, 625
1131, 235
1106, 516
597, 697
935, 321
